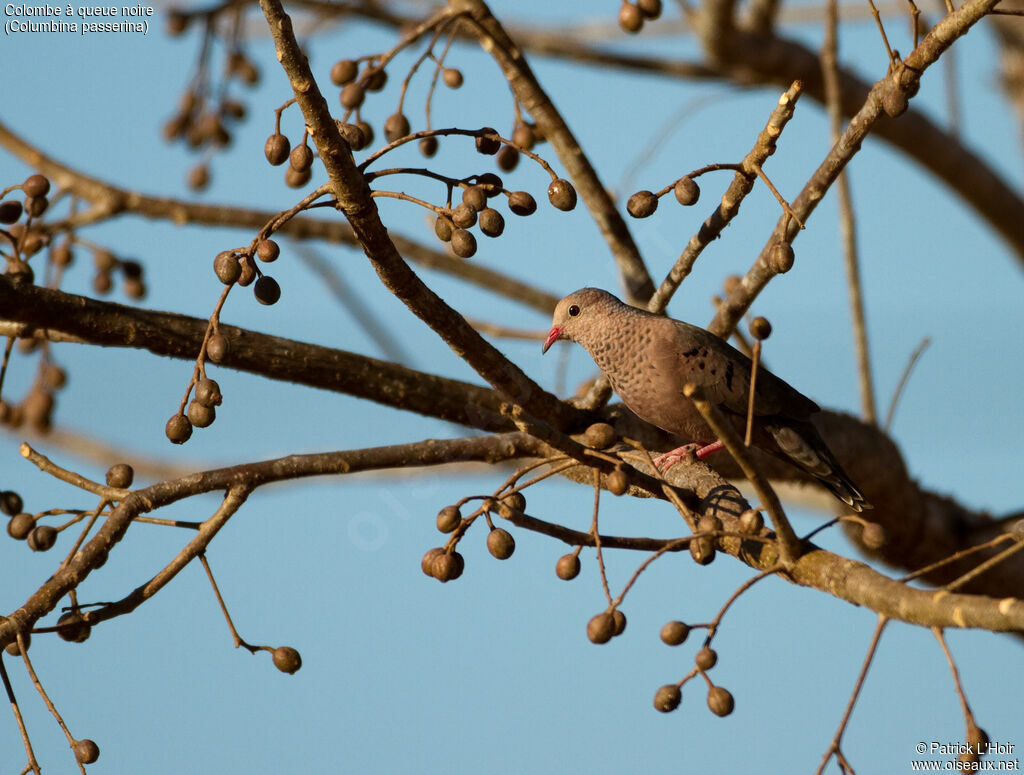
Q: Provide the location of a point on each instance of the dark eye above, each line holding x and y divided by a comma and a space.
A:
574, 310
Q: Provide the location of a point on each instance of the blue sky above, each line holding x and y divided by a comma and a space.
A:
493, 673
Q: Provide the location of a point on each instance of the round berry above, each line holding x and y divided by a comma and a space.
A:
11, 503
631, 19
86, 751
601, 628
344, 71
667, 698
227, 267
42, 538
567, 567
720, 701
395, 126
287, 659
178, 429
120, 475
687, 191
20, 526
522, 203
201, 416
208, 392
642, 204
463, 243
267, 290
675, 633
500, 543
73, 628
36, 185
562, 195
452, 77
487, 142
428, 146
268, 250
448, 519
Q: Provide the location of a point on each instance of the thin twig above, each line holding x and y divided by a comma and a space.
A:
898, 392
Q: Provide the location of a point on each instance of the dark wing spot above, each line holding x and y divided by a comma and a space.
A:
700, 364
691, 353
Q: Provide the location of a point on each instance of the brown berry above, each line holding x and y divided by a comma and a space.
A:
567, 567
61, 255
72, 628
447, 566
630, 18
14, 649
11, 503
720, 701
201, 416
20, 526
600, 435
522, 203
301, 158
448, 519
36, 185
706, 659
10, 211
895, 101
675, 633
702, 550
352, 96
42, 538
475, 197
276, 149
427, 563
508, 158
452, 77
248, 275
86, 751
873, 535
492, 223
367, 129
651, 9
208, 392
295, 179
198, 177
687, 191
443, 228
617, 482
217, 348
353, 135
375, 78
642, 204
781, 257
227, 267
395, 126
667, 698
490, 183
178, 429
500, 543
464, 216
35, 206
344, 71
104, 260
120, 475
463, 243
620, 622
287, 659
524, 136
561, 194
760, 328
428, 146
267, 291
601, 628
487, 141
268, 250
515, 501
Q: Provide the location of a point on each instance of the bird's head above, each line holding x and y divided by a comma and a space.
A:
575, 315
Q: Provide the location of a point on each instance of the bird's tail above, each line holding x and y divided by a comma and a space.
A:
802, 444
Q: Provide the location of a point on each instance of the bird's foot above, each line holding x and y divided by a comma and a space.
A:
667, 460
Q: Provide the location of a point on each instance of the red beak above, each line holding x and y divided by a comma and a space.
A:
553, 336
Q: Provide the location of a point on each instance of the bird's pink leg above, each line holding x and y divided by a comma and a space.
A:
667, 460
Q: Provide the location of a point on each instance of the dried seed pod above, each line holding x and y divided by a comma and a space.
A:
71, 627
524, 136
452, 77
631, 19
781, 257
617, 482
720, 701
427, 563
395, 126
522, 203
120, 475
487, 142
178, 428
464, 216
515, 500
642, 204
491, 222
448, 519
42, 538
287, 659
667, 698
86, 751
490, 183
301, 158
600, 435
760, 328
675, 633
375, 78
217, 349
601, 628
268, 250
200, 415
344, 71
227, 267
508, 158
443, 228
36, 185
208, 392
428, 146
475, 197
706, 659
352, 96
500, 543
567, 567
295, 179
11, 503
687, 191
562, 195
463, 243
267, 291
20, 526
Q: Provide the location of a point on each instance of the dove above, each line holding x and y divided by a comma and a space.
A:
649, 358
